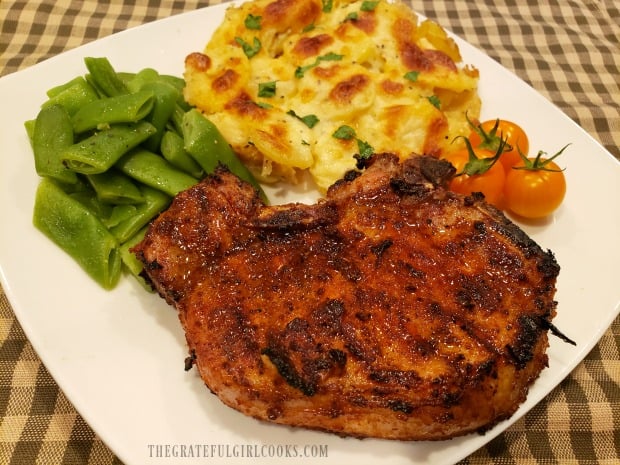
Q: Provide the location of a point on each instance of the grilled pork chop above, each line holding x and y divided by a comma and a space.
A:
393, 308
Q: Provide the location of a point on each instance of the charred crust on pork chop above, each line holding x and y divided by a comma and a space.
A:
391, 308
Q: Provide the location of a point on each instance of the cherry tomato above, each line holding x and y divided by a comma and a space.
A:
534, 193
487, 136
490, 183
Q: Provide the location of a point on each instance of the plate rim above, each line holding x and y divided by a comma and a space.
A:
534, 396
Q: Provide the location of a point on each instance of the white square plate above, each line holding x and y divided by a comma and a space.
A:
118, 355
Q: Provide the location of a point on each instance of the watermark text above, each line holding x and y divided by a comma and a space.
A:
237, 450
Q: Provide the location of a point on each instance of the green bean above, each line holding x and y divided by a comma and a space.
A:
52, 92
104, 77
113, 148
52, 133
119, 214
154, 171
103, 211
165, 98
29, 127
86, 196
126, 77
100, 151
139, 79
73, 95
113, 187
125, 108
175, 81
133, 265
207, 146
179, 83
173, 149
148, 76
77, 231
176, 120
154, 203
136, 81
110, 215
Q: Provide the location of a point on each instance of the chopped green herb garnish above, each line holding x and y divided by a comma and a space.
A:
330, 57
308, 120
327, 5
252, 22
412, 76
435, 101
369, 5
365, 149
344, 132
264, 105
267, 89
308, 28
301, 70
249, 50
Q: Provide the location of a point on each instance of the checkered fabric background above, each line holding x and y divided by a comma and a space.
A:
568, 51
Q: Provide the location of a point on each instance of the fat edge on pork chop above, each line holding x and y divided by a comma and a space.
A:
393, 308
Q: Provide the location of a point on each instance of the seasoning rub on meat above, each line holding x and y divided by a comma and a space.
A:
392, 308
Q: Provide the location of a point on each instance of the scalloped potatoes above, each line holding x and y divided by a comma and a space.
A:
279, 78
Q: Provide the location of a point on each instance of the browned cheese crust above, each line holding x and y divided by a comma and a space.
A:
393, 308
279, 77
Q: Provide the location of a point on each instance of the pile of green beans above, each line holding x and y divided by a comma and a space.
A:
113, 149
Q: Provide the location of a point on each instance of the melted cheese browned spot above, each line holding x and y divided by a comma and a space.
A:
279, 85
225, 81
344, 91
392, 87
289, 14
311, 46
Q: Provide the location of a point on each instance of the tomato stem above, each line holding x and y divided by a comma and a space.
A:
477, 165
489, 140
539, 163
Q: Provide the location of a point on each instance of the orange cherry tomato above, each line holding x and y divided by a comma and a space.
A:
490, 182
487, 135
534, 193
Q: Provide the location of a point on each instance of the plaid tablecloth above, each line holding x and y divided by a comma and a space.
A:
568, 51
